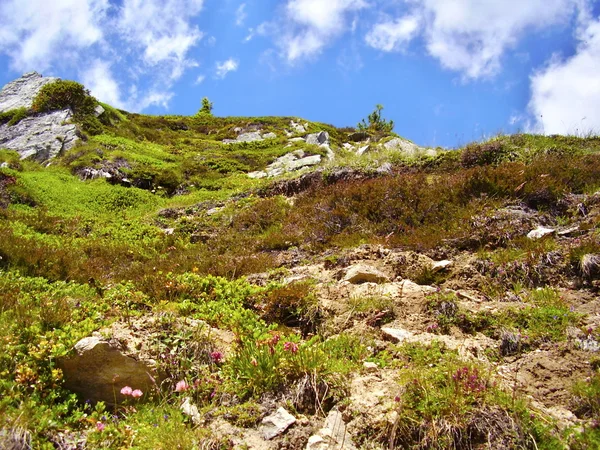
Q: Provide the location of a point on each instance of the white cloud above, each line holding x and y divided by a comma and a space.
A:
223, 68
311, 24
200, 79
393, 34
35, 33
470, 36
99, 79
566, 93
240, 15
161, 29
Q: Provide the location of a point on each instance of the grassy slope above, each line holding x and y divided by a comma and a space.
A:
102, 247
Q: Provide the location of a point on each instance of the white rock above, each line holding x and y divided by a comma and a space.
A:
370, 366
397, 334
191, 410
269, 136
258, 174
304, 162
99, 110
249, 137
438, 266
333, 435
276, 423
364, 273
362, 150
296, 139
539, 233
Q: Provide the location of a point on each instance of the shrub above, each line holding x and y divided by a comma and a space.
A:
492, 152
62, 95
13, 116
376, 123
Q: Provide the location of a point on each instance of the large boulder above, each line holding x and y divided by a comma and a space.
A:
407, 148
21, 92
40, 137
99, 370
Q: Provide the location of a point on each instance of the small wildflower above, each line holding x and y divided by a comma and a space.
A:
137, 393
397, 398
291, 347
100, 426
213, 393
181, 386
166, 417
217, 357
254, 362
126, 390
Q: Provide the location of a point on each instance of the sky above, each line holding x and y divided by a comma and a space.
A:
448, 72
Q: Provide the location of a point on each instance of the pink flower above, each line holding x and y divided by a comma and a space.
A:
137, 393
126, 390
217, 357
181, 386
290, 347
100, 426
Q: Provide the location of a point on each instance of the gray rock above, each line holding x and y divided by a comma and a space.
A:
322, 137
258, 174
297, 128
269, 136
539, 233
99, 110
333, 435
408, 148
21, 92
304, 162
4, 165
296, 139
365, 273
99, 370
41, 137
384, 169
249, 137
276, 423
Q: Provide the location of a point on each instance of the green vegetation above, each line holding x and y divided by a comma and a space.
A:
163, 239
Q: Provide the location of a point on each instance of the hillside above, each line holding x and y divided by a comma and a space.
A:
213, 282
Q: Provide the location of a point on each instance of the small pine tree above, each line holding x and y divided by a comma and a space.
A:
207, 107
376, 123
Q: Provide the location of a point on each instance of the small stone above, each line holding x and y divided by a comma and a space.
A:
319, 138
364, 273
269, 136
169, 231
539, 233
191, 410
276, 423
362, 150
370, 366
396, 334
439, 266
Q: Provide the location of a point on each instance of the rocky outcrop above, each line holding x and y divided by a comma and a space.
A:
99, 370
21, 92
287, 163
408, 148
42, 136
252, 136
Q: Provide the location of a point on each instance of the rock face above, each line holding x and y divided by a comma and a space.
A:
43, 136
21, 92
99, 370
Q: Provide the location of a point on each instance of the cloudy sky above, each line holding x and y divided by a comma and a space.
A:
447, 71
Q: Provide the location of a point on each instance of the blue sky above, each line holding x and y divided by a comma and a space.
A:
447, 71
